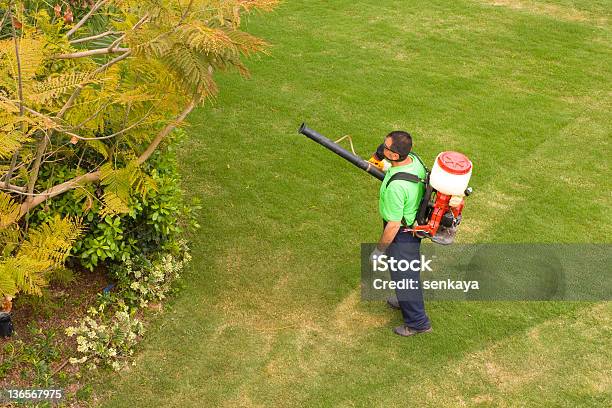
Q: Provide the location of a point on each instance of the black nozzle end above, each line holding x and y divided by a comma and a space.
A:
6, 325
302, 127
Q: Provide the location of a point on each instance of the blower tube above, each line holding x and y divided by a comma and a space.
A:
345, 154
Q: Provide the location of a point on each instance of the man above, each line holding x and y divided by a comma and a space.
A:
398, 205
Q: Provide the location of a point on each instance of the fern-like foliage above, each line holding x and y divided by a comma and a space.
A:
9, 210
22, 274
31, 60
51, 241
9, 240
8, 287
45, 248
13, 133
52, 87
119, 184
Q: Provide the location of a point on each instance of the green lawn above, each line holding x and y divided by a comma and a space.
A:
271, 315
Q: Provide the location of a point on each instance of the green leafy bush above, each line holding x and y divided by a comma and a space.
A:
155, 221
141, 280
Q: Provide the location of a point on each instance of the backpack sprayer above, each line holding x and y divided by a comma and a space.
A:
446, 187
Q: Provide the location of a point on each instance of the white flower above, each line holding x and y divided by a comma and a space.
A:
81, 360
116, 366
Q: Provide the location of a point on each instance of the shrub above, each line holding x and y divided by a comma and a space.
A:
140, 280
106, 345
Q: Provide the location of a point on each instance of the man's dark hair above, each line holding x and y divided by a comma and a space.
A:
401, 142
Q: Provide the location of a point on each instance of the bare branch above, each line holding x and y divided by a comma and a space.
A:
11, 187
70, 101
9, 13
141, 21
184, 15
11, 169
40, 150
57, 190
95, 37
89, 53
86, 17
116, 42
169, 127
112, 62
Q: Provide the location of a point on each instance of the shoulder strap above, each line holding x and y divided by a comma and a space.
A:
406, 177
420, 161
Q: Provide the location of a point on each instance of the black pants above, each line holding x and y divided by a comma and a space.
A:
407, 247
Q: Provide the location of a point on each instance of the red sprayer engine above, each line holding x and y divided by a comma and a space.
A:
445, 191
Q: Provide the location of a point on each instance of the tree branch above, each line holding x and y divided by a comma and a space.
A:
89, 53
40, 150
59, 128
42, 146
57, 190
11, 187
184, 15
100, 69
95, 37
9, 13
169, 127
86, 17
118, 40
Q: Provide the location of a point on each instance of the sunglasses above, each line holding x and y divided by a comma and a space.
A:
391, 150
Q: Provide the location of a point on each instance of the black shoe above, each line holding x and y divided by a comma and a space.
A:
393, 303
406, 331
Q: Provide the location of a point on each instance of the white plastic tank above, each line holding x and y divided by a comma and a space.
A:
451, 173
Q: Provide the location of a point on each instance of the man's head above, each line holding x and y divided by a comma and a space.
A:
397, 146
